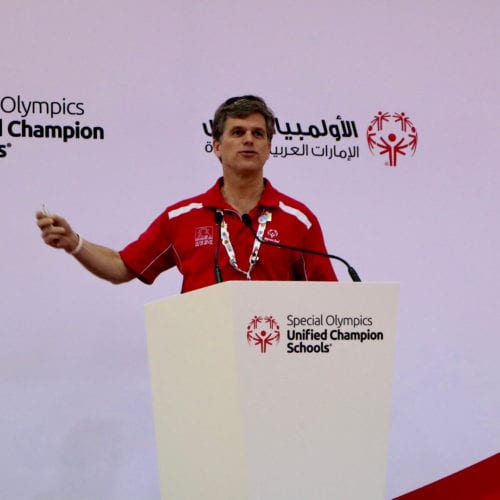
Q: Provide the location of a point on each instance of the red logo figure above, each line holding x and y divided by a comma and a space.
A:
263, 332
392, 135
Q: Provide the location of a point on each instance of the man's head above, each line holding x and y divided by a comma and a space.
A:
241, 107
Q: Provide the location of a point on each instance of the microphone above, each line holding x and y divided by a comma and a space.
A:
219, 215
352, 272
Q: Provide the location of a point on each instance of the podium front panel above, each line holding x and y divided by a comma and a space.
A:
273, 390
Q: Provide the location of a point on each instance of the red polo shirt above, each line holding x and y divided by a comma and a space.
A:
186, 235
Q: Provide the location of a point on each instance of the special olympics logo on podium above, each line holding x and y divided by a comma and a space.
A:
263, 331
393, 135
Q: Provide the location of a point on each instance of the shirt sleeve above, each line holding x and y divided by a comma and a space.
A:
152, 253
316, 267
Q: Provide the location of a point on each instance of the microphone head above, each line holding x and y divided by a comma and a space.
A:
246, 220
353, 274
219, 216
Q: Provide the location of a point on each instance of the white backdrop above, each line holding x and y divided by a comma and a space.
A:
76, 419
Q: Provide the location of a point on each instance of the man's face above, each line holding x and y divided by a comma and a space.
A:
244, 145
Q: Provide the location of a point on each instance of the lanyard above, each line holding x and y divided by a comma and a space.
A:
254, 256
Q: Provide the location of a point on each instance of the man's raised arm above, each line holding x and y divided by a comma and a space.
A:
101, 261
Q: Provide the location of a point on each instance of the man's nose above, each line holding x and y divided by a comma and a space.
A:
248, 137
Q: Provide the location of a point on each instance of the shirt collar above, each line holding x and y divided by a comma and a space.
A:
213, 197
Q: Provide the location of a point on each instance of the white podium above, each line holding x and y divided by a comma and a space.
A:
273, 390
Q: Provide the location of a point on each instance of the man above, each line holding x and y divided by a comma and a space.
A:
189, 234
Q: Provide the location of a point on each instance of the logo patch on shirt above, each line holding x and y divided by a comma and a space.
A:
203, 235
272, 235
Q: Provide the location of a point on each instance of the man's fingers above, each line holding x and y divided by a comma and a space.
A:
52, 239
55, 231
44, 221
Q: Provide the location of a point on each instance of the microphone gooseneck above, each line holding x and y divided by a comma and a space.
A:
352, 272
219, 216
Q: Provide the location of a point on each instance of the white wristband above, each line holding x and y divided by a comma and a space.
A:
79, 245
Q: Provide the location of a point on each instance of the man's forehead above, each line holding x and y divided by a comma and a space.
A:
255, 120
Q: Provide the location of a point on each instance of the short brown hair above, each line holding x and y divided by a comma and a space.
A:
240, 107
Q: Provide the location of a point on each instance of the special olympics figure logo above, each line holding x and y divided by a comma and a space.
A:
263, 332
393, 135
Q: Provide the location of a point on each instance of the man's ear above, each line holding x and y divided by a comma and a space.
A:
216, 148
269, 149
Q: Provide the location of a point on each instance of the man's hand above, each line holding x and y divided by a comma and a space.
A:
56, 232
